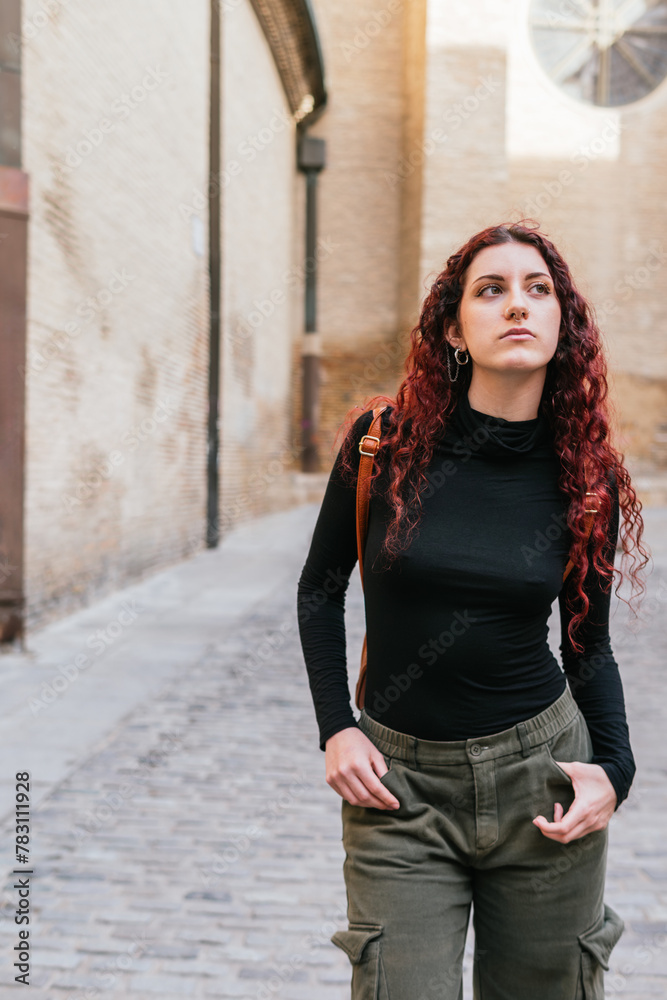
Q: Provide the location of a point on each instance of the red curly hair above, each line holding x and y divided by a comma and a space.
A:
574, 402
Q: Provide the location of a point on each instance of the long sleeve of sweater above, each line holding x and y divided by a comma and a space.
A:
594, 677
321, 597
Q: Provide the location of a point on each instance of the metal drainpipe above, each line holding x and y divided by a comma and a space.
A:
214, 264
311, 159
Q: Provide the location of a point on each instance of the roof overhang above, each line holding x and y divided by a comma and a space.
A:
291, 31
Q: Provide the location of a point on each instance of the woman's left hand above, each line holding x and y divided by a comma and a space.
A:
593, 806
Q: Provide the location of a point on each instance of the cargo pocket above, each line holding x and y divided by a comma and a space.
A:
596, 947
362, 946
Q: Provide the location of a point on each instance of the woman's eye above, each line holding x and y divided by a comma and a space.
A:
539, 286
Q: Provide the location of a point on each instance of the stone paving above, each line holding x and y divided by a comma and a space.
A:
194, 850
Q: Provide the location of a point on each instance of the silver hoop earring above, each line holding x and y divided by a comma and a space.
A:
452, 378
457, 355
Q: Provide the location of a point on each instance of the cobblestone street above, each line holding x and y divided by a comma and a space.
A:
191, 847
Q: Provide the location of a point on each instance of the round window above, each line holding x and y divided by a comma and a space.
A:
605, 52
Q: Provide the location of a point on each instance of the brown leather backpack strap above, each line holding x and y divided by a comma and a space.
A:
360, 690
589, 520
368, 447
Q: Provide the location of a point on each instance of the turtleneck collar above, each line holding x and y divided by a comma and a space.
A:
497, 437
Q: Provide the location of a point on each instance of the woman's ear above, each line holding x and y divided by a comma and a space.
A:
453, 334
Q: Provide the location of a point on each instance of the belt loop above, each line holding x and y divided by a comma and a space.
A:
523, 737
412, 752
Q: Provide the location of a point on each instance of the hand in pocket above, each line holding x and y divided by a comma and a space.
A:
354, 767
593, 806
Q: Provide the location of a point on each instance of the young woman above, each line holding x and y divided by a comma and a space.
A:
480, 771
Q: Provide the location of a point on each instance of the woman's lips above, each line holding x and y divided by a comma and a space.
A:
518, 332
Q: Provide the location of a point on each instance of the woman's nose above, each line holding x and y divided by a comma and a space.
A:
517, 307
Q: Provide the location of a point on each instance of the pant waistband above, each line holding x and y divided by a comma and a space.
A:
518, 739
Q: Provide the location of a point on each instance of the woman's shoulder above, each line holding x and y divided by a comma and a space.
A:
363, 422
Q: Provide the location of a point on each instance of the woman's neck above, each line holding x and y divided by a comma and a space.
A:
514, 396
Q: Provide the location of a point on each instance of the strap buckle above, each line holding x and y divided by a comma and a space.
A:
591, 510
368, 437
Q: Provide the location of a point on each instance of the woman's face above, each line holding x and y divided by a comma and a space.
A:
507, 287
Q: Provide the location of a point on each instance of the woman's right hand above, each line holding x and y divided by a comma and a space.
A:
354, 767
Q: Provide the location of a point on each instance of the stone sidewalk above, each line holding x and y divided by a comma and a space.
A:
184, 841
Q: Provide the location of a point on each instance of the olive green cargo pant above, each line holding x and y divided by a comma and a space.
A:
464, 834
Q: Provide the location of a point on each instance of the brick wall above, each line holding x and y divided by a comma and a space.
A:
115, 132
360, 201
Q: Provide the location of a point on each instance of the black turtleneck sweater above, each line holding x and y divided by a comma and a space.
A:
457, 624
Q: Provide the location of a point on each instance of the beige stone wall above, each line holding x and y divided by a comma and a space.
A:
115, 141
466, 174
466, 171
600, 211
262, 275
